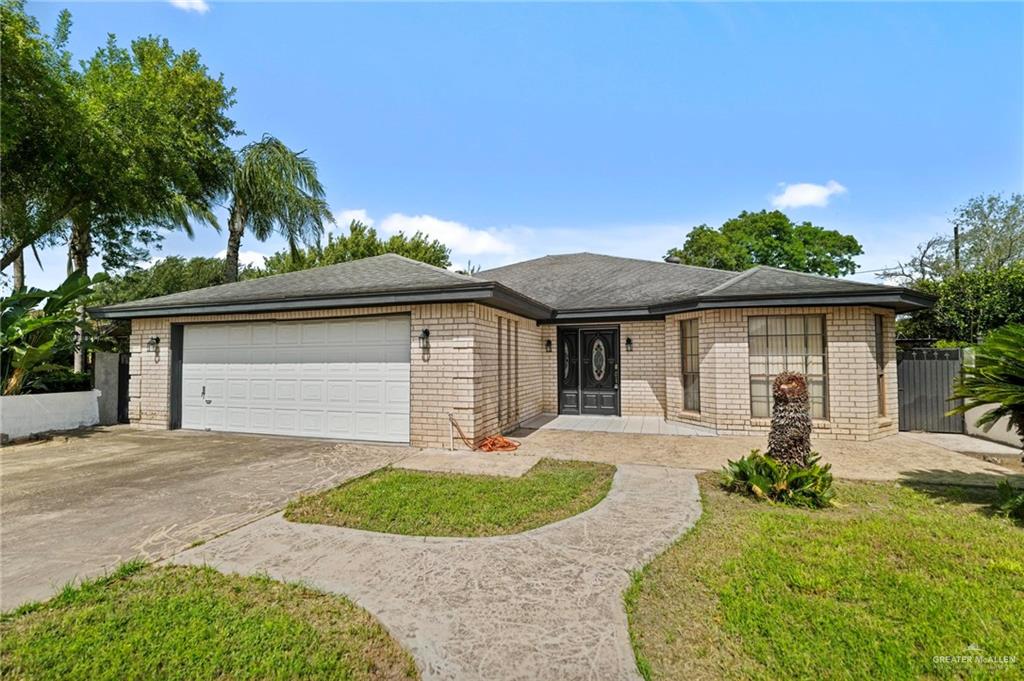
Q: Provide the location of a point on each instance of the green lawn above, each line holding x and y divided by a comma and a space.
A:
873, 589
447, 505
193, 624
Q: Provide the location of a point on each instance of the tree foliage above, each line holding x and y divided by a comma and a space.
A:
770, 238
991, 237
42, 125
171, 275
274, 190
360, 242
138, 143
970, 304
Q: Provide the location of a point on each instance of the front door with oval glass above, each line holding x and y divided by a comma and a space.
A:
588, 371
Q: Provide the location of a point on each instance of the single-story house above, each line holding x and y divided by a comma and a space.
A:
386, 348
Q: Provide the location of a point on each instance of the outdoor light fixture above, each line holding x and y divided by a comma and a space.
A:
153, 343
629, 344
547, 345
425, 338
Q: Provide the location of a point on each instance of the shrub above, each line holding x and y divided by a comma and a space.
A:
57, 380
1011, 501
789, 441
765, 478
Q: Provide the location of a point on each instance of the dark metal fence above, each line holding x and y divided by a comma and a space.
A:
926, 378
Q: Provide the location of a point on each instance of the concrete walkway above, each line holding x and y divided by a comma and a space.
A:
904, 457
647, 425
76, 506
545, 604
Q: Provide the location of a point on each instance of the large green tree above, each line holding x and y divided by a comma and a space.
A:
273, 190
138, 143
970, 304
173, 274
987, 234
42, 126
360, 242
770, 238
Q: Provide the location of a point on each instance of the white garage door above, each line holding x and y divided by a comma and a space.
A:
344, 378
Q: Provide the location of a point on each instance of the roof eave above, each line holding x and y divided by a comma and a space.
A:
492, 294
898, 299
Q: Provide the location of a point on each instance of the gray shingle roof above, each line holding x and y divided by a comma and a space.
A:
382, 273
763, 281
585, 281
569, 286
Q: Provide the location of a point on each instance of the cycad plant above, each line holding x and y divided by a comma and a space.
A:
996, 378
273, 190
789, 441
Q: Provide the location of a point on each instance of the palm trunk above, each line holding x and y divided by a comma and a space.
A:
19, 271
79, 246
236, 226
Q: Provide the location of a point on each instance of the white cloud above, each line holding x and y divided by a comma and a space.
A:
200, 6
807, 194
347, 216
462, 239
246, 258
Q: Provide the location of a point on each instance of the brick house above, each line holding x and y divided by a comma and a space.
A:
386, 348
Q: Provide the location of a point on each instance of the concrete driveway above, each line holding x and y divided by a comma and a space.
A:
76, 506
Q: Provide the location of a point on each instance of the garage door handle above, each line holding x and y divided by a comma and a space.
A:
203, 396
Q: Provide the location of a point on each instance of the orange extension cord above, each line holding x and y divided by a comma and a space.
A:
494, 443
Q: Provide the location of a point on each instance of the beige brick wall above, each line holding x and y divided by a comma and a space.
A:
521, 364
457, 375
642, 376
852, 387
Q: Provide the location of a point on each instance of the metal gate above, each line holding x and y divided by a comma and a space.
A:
926, 378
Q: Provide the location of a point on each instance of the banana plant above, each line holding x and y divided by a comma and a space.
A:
30, 324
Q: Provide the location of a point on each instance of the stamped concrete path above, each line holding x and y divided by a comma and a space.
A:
544, 604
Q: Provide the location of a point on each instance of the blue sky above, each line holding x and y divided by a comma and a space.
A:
513, 131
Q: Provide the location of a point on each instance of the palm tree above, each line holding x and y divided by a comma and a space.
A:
273, 189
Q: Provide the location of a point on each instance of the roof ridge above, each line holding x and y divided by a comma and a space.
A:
732, 280
420, 263
821, 276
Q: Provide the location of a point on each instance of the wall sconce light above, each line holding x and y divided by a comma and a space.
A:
629, 344
425, 338
547, 345
153, 343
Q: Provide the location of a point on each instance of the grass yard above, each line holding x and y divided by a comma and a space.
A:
449, 505
195, 623
876, 588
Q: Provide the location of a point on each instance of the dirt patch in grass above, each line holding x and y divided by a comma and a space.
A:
195, 623
453, 505
884, 586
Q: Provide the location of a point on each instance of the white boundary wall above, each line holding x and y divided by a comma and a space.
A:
26, 415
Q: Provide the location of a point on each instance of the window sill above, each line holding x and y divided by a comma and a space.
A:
689, 415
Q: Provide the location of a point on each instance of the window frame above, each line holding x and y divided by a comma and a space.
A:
783, 354
690, 369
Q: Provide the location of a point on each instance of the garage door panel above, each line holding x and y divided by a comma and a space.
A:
237, 418
334, 378
312, 392
369, 393
214, 417
285, 390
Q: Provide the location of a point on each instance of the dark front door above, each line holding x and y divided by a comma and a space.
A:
568, 371
588, 371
